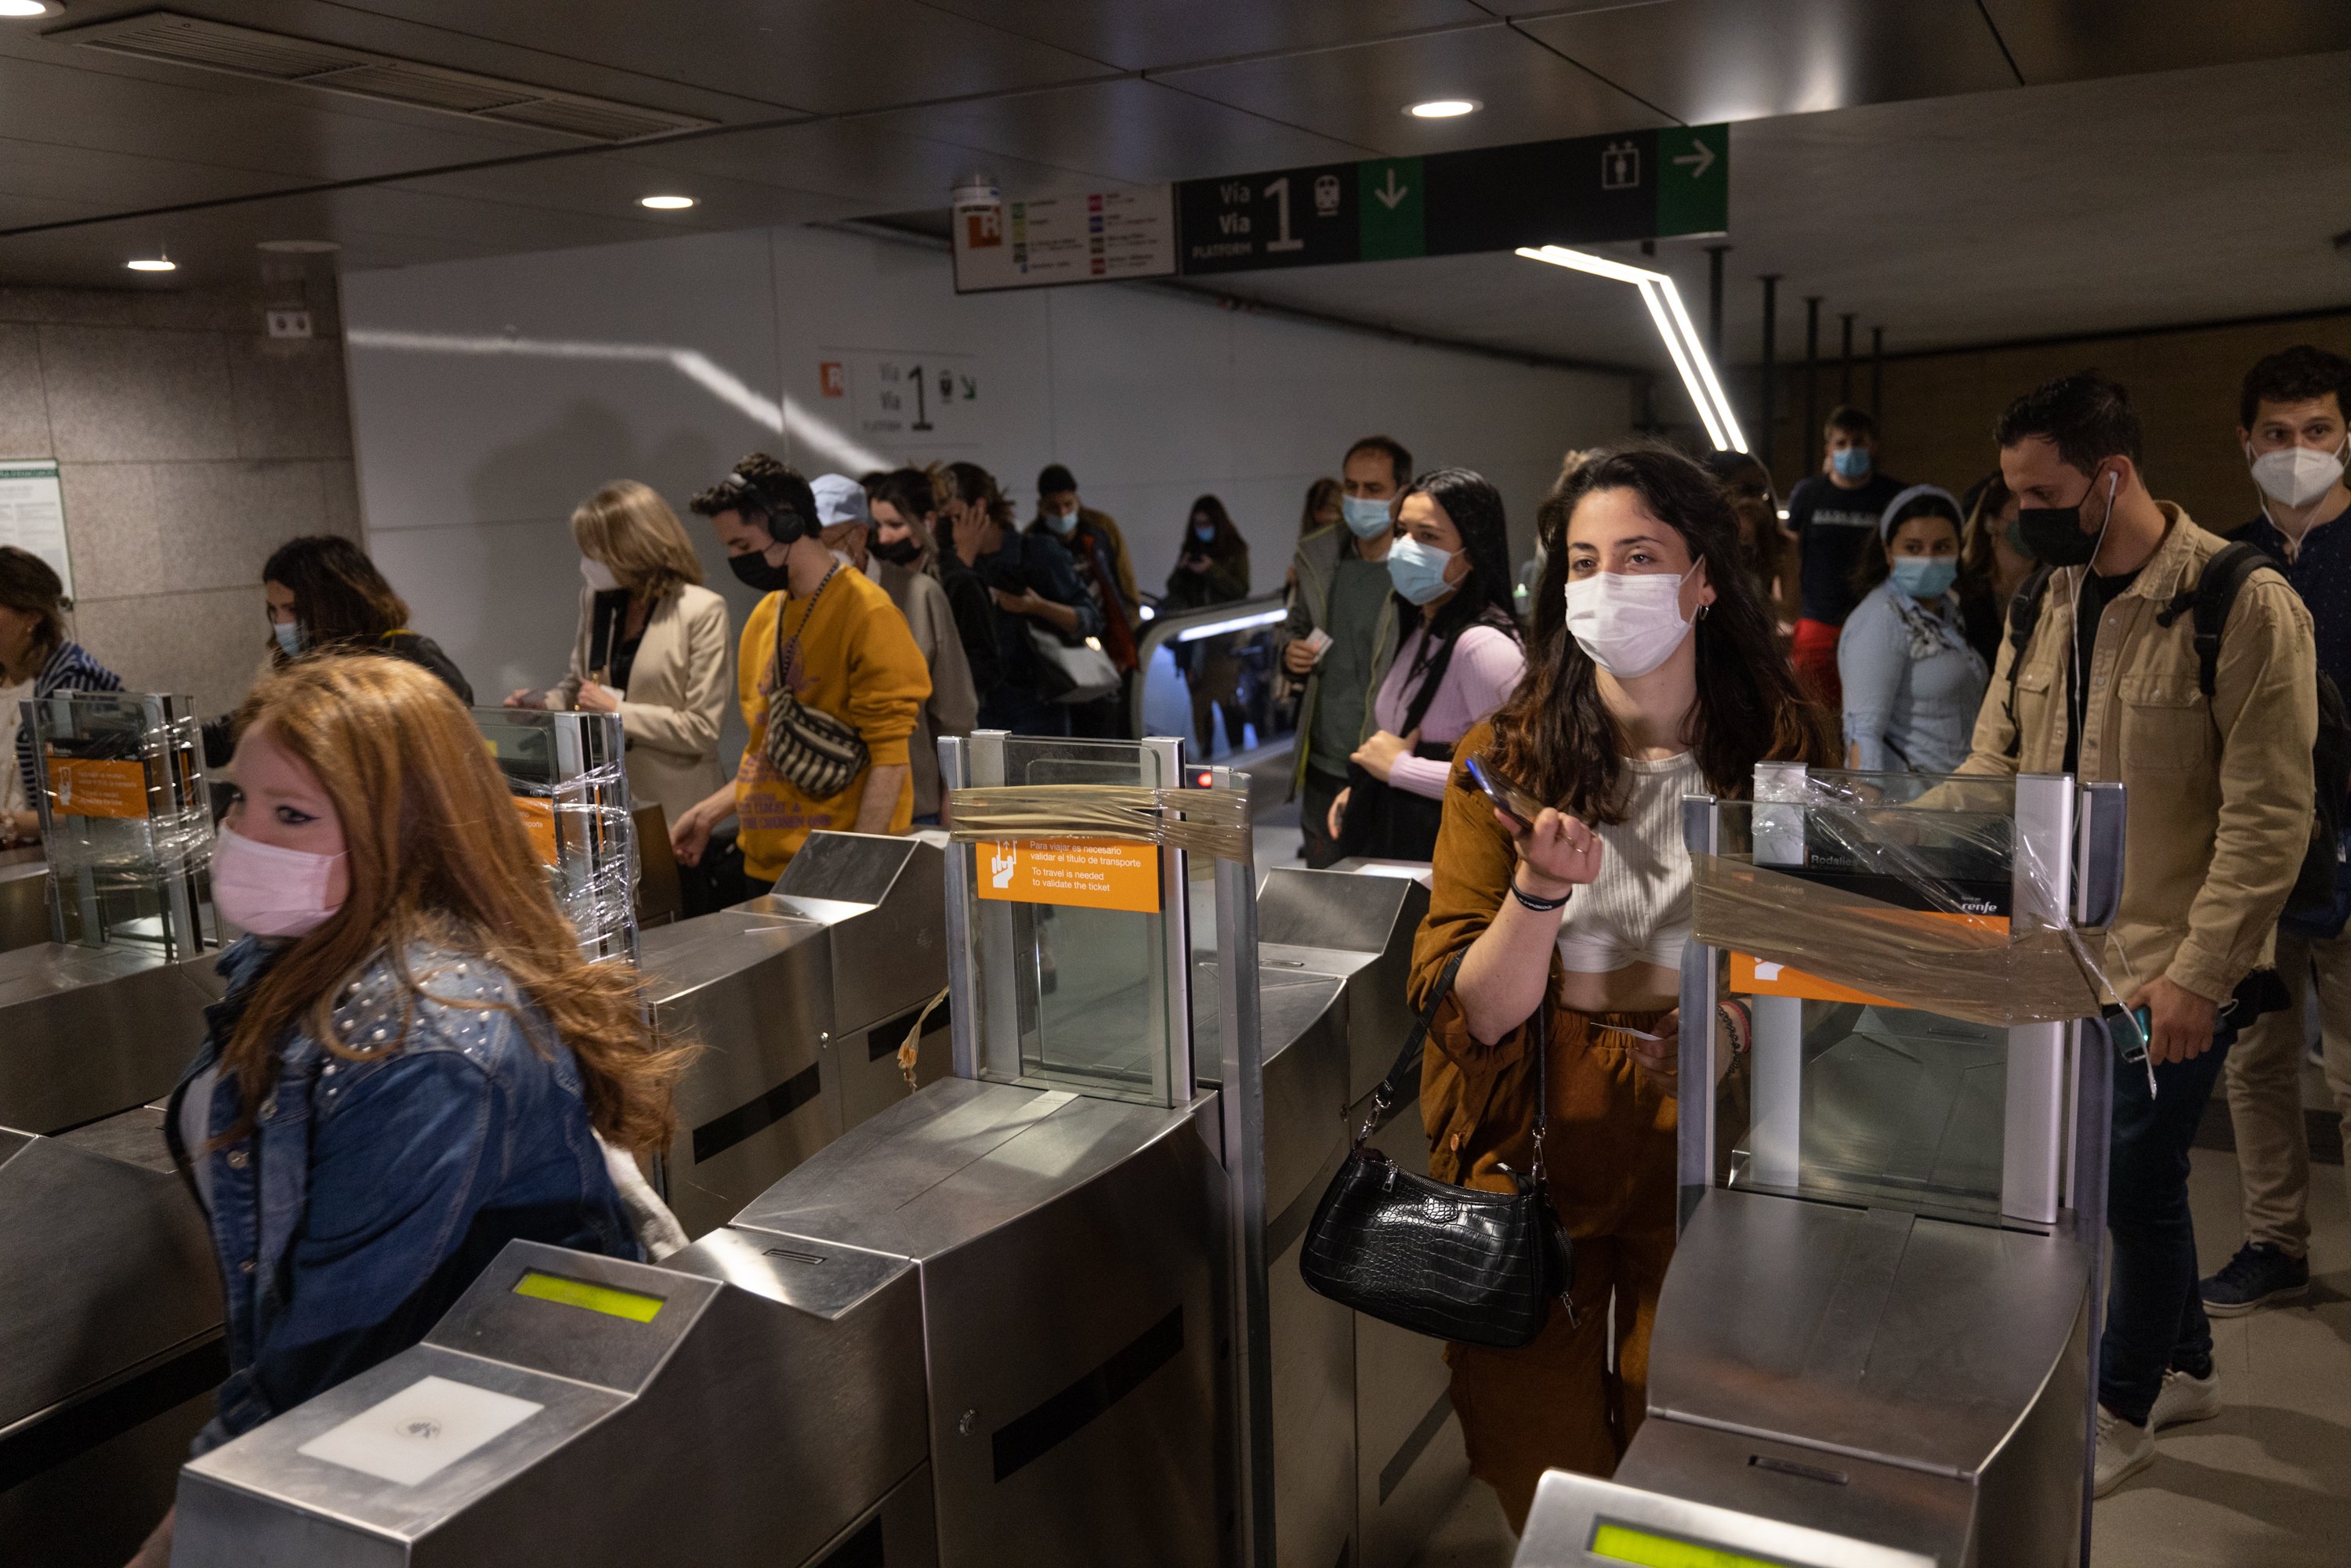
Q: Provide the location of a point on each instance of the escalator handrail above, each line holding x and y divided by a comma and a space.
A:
1164, 629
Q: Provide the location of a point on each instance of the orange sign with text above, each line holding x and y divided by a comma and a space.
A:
1753, 977
1092, 873
96, 787
539, 825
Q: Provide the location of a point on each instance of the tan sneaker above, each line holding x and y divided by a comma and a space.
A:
2123, 1450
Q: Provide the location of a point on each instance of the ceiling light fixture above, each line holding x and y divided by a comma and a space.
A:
158, 262
1444, 109
18, 9
665, 203
1672, 323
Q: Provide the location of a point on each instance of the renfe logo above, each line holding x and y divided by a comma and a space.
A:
983, 227
1003, 860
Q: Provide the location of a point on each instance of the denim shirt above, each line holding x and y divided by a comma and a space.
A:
1908, 710
372, 1192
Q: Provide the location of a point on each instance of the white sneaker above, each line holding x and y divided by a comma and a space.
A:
2123, 1450
2185, 1398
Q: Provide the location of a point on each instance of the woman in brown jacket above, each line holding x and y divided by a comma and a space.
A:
1655, 674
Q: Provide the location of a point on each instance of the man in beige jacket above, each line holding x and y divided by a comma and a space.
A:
2218, 799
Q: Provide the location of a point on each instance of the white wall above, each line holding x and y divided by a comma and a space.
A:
488, 397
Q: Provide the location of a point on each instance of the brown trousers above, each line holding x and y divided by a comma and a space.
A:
1556, 1403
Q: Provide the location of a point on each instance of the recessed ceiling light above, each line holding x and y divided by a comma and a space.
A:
20, 8
665, 203
1444, 109
153, 264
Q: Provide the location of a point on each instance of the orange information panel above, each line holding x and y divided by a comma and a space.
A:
1092, 874
96, 787
1753, 977
539, 825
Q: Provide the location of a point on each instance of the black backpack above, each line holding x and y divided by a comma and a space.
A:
2209, 601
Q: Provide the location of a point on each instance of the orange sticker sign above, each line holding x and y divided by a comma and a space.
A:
1092, 874
94, 787
539, 825
1753, 977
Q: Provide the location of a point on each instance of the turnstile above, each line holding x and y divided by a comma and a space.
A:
1874, 1347
801, 999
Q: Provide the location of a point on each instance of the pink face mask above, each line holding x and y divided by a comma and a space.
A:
271, 891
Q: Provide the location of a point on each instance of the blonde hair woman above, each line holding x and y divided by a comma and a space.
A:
413, 1062
652, 645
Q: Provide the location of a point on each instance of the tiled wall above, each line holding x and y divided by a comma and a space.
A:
190, 444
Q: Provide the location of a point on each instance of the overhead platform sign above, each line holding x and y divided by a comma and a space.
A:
1634, 184
1639, 184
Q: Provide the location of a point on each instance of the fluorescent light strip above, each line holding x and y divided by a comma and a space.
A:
1237, 623
1673, 324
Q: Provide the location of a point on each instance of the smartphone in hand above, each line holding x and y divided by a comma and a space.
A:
1509, 798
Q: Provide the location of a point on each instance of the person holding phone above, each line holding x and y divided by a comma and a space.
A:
1662, 678
1212, 567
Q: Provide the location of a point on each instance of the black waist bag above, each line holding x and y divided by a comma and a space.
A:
1425, 1255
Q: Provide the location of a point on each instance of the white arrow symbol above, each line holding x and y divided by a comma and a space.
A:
1699, 154
1394, 193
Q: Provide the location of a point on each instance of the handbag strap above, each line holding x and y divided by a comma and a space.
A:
1431, 679
783, 659
1384, 1098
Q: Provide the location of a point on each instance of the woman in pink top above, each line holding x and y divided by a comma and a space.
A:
1458, 659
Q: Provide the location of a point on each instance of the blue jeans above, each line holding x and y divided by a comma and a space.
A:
2155, 1318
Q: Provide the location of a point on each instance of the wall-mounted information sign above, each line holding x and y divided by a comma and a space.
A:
906, 399
1635, 184
33, 512
1094, 237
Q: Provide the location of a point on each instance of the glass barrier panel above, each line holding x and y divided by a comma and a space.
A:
1081, 968
569, 786
126, 824
1212, 676
1849, 1097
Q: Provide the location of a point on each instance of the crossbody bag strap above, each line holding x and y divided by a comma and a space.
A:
783, 662
1430, 681
1384, 1098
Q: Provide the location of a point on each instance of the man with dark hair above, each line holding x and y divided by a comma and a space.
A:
1834, 517
1342, 630
2110, 686
1098, 550
2290, 426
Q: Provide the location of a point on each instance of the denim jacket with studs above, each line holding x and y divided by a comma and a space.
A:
373, 1191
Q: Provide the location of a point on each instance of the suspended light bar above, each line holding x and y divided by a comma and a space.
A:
1672, 323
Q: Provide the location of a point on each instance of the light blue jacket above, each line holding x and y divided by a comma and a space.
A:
1905, 712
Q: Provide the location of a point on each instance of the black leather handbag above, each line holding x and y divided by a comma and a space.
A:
1425, 1255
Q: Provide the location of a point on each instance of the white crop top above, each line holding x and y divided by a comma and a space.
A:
1638, 909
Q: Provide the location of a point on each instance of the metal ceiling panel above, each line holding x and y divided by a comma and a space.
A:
1131, 131
1358, 95
1153, 35
2071, 40
829, 56
1708, 61
607, 189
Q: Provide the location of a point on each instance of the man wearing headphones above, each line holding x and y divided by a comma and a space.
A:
829, 677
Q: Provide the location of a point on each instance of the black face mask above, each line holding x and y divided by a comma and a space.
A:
2053, 534
898, 551
751, 569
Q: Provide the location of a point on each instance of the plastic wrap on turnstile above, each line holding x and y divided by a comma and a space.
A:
139, 850
1210, 822
1943, 958
595, 885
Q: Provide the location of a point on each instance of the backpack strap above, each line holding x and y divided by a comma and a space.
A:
2023, 618
2209, 601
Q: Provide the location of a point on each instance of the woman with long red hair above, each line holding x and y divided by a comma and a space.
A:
412, 1064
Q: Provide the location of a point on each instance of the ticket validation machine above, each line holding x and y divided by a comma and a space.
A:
1875, 1346
994, 1323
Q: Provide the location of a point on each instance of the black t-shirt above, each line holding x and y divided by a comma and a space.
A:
2098, 593
1833, 527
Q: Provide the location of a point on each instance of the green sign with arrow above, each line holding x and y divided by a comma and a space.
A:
1638, 185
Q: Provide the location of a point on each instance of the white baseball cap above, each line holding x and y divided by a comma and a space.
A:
839, 499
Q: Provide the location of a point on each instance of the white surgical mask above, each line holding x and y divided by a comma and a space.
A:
1629, 623
2297, 475
600, 576
269, 890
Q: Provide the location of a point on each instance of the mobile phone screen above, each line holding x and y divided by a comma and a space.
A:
1507, 798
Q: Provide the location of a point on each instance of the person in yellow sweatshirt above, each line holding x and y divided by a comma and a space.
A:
847, 651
